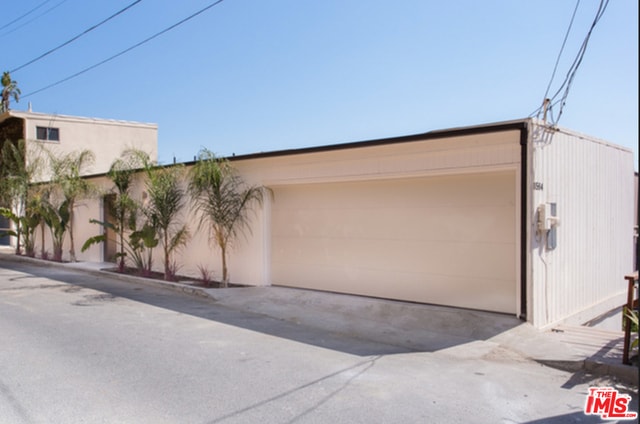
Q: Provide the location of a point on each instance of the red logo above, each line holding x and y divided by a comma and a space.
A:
608, 403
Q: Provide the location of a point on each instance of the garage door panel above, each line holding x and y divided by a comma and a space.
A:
437, 223
425, 239
461, 191
455, 259
484, 294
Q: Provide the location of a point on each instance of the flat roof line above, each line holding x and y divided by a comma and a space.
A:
453, 132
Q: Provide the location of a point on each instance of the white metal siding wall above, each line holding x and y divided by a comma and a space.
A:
592, 184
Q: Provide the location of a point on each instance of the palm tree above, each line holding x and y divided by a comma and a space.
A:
164, 205
57, 218
31, 219
16, 174
38, 202
223, 200
121, 174
123, 207
9, 89
67, 172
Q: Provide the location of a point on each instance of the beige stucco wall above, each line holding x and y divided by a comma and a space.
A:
497, 151
250, 258
244, 255
107, 139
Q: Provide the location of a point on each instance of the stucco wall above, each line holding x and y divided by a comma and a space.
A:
105, 138
250, 257
245, 257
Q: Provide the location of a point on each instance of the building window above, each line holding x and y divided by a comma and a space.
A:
46, 133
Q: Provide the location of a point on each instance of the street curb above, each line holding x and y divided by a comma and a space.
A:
196, 291
625, 373
168, 285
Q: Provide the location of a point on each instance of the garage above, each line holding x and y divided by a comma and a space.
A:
447, 239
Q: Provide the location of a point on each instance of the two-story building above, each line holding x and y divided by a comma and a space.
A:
61, 134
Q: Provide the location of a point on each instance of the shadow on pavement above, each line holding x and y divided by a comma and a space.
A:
432, 329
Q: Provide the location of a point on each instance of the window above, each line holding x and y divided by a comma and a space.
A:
46, 133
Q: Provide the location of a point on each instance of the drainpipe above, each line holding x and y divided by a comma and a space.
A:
524, 235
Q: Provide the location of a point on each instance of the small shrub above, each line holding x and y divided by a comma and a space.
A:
172, 274
206, 275
634, 321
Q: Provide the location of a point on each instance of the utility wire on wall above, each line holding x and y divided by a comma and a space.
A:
549, 103
76, 37
146, 40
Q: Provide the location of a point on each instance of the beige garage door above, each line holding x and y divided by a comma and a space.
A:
445, 240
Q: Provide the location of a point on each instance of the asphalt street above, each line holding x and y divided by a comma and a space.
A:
81, 348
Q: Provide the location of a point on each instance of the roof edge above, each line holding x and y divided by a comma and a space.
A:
519, 124
69, 118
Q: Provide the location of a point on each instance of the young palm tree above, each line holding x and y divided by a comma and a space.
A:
142, 237
39, 201
31, 219
163, 209
9, 89
121, 174
67, 178
57, 218
223, 200
16, 174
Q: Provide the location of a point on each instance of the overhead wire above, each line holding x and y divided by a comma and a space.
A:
71, 40
55, 6
539, 110
25, 14
571, 73
576, 64
564, 42
146, 40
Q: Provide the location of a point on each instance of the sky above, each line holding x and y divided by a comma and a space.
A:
249, 76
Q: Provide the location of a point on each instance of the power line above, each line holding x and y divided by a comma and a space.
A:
25, 14
576, 63
564, 42
146, 40
571, 73
77, 36
546, 103
55, 6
